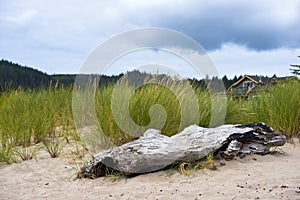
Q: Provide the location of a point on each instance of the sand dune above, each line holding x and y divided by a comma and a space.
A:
273, 176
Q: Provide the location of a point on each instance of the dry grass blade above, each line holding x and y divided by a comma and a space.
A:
185, 168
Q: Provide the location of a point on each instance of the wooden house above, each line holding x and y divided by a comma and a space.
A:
248, 85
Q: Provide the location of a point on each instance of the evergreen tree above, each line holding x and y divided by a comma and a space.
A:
295, 69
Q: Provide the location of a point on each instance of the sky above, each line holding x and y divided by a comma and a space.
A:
240, 37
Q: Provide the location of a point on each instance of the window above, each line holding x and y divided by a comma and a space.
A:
248, 84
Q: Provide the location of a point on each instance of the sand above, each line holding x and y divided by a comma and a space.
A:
273, 176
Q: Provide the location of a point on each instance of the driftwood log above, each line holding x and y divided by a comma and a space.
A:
154, 151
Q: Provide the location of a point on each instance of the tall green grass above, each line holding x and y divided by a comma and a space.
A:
279, 107
169, 94
28, 117
239, 111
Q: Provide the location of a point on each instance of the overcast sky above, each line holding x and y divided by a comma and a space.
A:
241, 37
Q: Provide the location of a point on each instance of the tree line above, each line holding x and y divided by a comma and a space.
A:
14, 76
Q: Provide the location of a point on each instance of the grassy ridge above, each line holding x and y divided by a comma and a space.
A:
28, 117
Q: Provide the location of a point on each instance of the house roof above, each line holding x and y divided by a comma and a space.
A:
255, 79
258, 79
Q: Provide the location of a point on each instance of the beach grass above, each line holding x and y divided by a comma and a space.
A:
279, 106
29, 117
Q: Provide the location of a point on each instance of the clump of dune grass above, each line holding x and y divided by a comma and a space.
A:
26, 153
239, 111
165, 104
77, 166
7, 155
54, 145
78, 163
209, 163
27, 116
279, 107
187, 168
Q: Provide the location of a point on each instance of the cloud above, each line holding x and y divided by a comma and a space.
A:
232, 59
259, 25
74, 28
23, 18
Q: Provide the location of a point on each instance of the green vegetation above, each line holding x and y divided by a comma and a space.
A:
15, 76
29, 117
208, 163
279, 106
44, 117
142, 101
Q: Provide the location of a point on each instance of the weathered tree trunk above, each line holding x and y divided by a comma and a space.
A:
154, 151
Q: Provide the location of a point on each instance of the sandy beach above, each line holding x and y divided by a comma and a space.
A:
273, 176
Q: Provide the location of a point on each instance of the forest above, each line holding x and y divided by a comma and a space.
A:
14, 76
